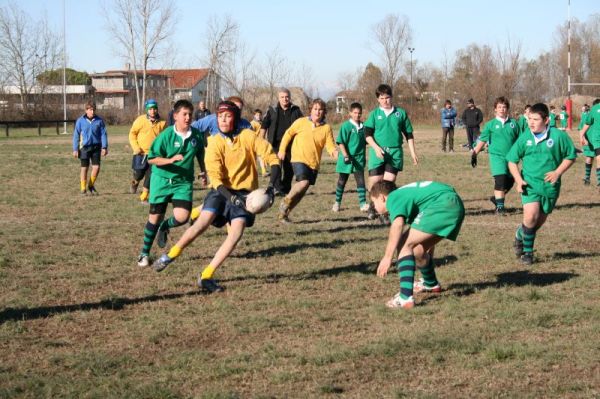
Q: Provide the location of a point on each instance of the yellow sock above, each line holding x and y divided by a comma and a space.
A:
144, 196
195, 214
92, 180
174, 252
82, 185
208, 272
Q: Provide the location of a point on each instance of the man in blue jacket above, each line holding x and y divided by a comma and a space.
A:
448, 118
89, 143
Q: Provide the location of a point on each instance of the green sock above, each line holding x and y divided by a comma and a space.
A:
519, 233
428, 273
528, 239
499, 203
339, 192
588, 171
598, 176
169, 223
150, 231
362, 195
406, 272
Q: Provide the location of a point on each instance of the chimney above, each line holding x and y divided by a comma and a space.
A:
127, 66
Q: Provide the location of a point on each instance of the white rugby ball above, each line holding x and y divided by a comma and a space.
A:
258, 201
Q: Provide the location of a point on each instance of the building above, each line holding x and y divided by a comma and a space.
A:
116, 89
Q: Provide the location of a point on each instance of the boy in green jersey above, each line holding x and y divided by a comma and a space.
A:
589, 137
563, 116
351, 158
383, 131
432, 211
522, 121
172, 156
546, 154
500, 133
552, 122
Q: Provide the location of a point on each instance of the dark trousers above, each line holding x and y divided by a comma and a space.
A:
287, 175
448, 133
472, 135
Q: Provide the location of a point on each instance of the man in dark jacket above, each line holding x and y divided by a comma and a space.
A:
472, 118
201, 111
277, 120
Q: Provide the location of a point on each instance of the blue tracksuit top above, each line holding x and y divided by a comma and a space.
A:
209, 124
448, 116
89, 132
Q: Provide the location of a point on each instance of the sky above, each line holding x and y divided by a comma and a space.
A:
330, 37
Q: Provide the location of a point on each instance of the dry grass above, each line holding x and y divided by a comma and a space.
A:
303, 315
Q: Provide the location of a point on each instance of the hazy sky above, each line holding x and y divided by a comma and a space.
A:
331, 37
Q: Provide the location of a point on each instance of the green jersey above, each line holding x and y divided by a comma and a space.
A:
582, 121
522, 124
168, 144
593, 120
500, 136
564, 118
352, 136
428, 206
540, 156
388, 130
552, 122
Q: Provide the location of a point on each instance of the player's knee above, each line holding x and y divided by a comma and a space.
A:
503, 182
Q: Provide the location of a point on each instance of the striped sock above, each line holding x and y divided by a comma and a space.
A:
519, 233
362, 195
406, 271
598, 176
339, 192
528, 239
150, 231
428, 273
169, 223
588, 171
499, 203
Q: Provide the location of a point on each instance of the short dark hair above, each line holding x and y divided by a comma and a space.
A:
596, 101
528, 106
355, 105
187, 104
447, 102
382, 187
502, 100
541, 109
383, 89
90, 104
319, 101
257, 111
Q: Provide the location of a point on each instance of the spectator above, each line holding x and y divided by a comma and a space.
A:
201, 111
448, 120
472, 118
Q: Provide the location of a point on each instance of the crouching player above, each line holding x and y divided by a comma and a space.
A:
433, 211
172, 158
547, 153
231, 167
310, 135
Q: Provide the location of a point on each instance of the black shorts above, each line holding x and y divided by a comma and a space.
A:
225, 211
381, 169
161, 207
90, 152
303, 172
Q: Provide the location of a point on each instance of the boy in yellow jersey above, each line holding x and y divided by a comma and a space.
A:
256, 125
310, 135
231, 166
143, 131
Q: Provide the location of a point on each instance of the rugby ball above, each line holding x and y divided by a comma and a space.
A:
258, 201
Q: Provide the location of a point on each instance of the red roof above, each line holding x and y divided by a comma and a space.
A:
109, 91
182, 78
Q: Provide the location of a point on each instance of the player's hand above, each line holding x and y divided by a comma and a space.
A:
384, 266
583, 141
281, 156
104, 152
75, 154
415, 160
176, 158
521, 186
203, 179
474, 160
379, 152
270, 191
238, 201
552, 177
347, 160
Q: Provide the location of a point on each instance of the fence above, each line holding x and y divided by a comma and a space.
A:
35, 123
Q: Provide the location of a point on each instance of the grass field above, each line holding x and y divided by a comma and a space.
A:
303, 314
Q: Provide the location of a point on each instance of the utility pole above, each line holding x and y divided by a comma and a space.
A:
411, 49
64, 67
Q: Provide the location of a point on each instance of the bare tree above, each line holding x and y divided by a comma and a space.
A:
276, 72
305, 79
27, 48
392, 35
221, 44
509, 61
141, 27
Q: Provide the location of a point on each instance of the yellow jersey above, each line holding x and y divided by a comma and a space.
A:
309, 141
143, 132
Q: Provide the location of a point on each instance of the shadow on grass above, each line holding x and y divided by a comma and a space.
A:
573, 255
292, 248
578, 205
483, 212
444, 261
272, 278
107, 304
515, 279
